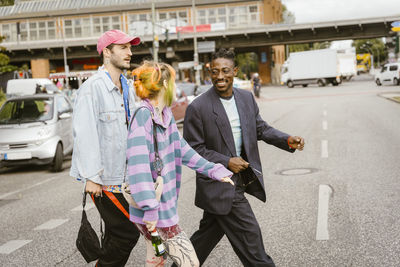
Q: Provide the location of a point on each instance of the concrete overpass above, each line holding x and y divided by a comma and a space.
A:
242, 39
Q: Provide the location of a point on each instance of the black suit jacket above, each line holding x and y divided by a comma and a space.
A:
208, 131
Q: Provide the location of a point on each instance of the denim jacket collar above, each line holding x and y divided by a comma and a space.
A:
166, 113
109, 84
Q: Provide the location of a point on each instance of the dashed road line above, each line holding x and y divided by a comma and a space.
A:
324, 125
13, 245
325, 192
29, 187
324, 148
51, 224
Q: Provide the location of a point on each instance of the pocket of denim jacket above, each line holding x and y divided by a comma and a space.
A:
108, 124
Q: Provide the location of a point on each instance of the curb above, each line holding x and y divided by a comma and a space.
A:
395, 97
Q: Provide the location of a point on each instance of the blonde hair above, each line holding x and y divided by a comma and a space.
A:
149, 80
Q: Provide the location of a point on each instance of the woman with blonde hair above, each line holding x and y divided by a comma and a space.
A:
157, 149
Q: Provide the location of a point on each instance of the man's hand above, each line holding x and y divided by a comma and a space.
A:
151, 225
237, 164
296, 142
227, 180
93, 188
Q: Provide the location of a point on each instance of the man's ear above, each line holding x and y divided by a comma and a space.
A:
106, 52
235, 70
165, 84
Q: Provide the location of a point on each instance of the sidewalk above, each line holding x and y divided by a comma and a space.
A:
394, 96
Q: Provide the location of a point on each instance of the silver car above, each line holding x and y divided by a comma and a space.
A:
36, 129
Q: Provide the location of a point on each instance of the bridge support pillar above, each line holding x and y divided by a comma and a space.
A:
264, 64
40, 68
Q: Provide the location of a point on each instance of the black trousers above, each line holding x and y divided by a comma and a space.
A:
240, 227
120, 234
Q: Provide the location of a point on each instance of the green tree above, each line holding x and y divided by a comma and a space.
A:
247, 63
376, 47
287, 17
6, 2
4, 60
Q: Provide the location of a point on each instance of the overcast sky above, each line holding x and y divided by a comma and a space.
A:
326, 10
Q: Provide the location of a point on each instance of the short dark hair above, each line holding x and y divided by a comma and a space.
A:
110, 46
224, 53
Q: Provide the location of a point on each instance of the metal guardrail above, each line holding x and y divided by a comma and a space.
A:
27, 7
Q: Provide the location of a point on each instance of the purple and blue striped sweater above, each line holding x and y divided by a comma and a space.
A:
174, 151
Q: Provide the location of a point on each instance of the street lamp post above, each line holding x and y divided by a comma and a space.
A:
196, 54
155, 38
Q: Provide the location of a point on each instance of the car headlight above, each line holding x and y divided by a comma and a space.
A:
38, 143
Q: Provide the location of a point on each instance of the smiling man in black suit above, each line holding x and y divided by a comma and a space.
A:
223, 125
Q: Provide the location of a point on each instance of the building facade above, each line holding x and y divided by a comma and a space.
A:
50, 35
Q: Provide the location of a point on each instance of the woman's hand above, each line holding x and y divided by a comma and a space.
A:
227, 180
151, 225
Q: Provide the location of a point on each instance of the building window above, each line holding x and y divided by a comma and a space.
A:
24, 31
51, 30
9, 31
86, 27
140, 24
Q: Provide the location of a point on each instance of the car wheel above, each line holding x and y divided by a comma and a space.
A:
378, 82
304, 85
320, 83
58, 159
395, 81
290, 84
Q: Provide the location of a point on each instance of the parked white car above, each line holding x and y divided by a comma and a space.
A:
36, 129
389, 74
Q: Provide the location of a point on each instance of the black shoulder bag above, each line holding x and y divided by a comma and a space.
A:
87, 241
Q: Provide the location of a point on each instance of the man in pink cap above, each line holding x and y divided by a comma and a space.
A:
102, 111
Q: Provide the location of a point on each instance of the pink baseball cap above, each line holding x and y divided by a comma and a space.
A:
115, 37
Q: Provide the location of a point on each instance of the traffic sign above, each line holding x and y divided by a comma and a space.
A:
395, 24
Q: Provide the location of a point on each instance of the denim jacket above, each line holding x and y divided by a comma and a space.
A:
100, 131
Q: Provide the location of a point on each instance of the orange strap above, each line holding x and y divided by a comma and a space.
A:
116, 202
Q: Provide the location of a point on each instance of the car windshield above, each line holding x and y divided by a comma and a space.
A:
26, 110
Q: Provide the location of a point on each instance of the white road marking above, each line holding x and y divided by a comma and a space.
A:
325, 112
51, 224
324, 125
87, 207
324, 148
13, 245
29, 187
325, 192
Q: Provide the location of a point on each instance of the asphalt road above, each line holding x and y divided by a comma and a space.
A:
334, 204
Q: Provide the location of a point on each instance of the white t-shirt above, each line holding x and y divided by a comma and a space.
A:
234, 120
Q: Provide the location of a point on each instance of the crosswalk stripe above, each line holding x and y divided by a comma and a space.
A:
13, 245
87, 207
51, 224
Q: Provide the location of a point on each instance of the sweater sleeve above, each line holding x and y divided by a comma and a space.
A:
193, 160
139, 174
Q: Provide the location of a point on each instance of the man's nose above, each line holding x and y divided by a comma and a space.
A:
130, 52
220, 75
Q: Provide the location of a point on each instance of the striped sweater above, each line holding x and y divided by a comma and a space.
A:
174, 151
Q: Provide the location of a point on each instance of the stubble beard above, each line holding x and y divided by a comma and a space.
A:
121, 65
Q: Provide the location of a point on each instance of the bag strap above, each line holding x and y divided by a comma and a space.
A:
157, 164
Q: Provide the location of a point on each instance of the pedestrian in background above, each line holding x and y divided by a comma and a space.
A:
155, 85
102, 111
223, 125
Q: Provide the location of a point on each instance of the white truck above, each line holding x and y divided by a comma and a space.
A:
347, 64
309, 67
